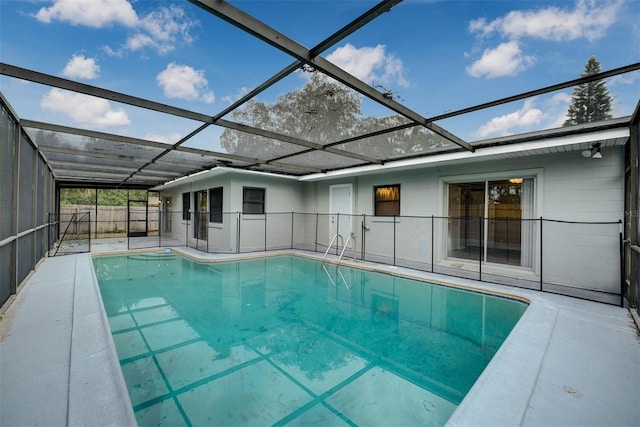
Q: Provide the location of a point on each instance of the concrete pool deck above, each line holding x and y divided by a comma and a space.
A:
567, 362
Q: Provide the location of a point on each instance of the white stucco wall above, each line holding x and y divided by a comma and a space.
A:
568, 187
283, 195
574, 188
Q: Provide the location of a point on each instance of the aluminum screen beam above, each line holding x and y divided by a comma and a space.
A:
130, 140
523, 95
339, 35
348, 29
59, 164
293, 140
377, 10
258, 29
143, 142
49, 80
33, 124
78, 152
536, 92
54, 81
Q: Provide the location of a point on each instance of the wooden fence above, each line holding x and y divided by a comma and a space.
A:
112, 220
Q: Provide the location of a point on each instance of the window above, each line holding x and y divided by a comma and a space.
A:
186, 205
253, 200
492, 221
215, 205
387, 200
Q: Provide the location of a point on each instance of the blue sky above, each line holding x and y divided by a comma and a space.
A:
435, 56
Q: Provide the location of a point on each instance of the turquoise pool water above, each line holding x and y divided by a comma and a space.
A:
290, 341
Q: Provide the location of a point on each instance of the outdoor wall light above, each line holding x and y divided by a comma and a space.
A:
593, 153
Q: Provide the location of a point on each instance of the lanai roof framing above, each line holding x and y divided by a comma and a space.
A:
280, 41
77, 87
54, 81
126, 161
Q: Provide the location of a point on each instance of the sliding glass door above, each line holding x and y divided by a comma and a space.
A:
491, 221
466, 207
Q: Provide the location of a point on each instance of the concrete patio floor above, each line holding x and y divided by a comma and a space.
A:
568, 362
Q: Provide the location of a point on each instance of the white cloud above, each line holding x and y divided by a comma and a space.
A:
112, 52
525, 117
171, 138
624, 79
230, 99
505, 60
93, 13
560, 98
139, 41
84, 109
81, 68
556, 109
182, 81
589, 19
162, 30
369, 64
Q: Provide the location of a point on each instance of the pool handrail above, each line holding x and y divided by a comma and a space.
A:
352, 236
331, 245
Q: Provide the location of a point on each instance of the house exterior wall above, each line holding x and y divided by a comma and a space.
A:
574, 188
282, 196
568, 188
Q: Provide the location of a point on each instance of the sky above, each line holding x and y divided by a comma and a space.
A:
432, 56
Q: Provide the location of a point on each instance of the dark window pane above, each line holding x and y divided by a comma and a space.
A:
502, 237
253, 200
186, 205
466, 206
215, 205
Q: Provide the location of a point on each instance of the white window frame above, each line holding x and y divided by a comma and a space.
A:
441, 238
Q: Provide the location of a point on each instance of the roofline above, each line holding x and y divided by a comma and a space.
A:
584, 134
556, 132
565, 136
635, 118
216, 171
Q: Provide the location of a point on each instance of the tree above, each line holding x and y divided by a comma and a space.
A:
590, 102
324, 111
77, 196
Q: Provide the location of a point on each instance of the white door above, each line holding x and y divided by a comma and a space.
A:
340, 203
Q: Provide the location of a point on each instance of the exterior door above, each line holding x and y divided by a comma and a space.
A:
486, 221
340, 210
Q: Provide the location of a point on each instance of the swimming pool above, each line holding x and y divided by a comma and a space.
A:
291, 341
